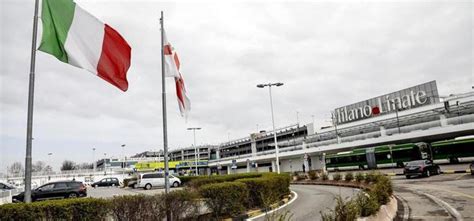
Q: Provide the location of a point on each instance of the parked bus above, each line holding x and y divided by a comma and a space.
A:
454, 151
447, 151
378, 157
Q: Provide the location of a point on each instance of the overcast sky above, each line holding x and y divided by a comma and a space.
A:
327, 54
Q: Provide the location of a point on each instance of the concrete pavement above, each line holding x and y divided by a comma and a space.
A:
312, 199
442, 197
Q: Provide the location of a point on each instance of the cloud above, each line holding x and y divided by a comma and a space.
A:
327, 54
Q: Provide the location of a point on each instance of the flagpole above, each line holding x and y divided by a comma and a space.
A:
163, 94
29, 122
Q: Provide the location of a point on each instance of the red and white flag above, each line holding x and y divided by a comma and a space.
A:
172, 66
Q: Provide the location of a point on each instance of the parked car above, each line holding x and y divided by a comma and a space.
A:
53, 190
150, 180
471, 166
5, 186
109, 181
132, 184
421, 168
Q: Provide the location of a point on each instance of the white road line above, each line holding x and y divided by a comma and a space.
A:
445, 205
281, 207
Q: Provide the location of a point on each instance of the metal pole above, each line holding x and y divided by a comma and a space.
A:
163, 97
391, 156
274, 132
297, 118
93, 158
398, 122
31, 92
105, 163
123, 163
334, 122
196, 154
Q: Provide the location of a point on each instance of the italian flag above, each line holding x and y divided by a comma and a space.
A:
74, 36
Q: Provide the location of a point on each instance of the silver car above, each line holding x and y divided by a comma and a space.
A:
150, 180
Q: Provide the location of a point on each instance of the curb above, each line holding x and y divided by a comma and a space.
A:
386, 212
255, 216
455, 171
442, 172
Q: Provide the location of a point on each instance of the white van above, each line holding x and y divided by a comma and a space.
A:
149, 180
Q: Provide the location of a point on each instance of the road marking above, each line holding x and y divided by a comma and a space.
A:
406, 210
459, 177
445, 205
281, 207
450, 191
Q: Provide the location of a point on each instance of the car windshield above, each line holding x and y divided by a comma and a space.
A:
415, 163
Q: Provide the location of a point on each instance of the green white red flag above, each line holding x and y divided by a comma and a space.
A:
172, 66
74, 36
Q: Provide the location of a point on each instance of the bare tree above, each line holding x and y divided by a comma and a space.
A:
68, 165
48, 169
86, 166
16, 168
38, 166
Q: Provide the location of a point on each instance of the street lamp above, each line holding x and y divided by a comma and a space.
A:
269, 85
94, 166
50, 161
196, 155
123, 164
105, 163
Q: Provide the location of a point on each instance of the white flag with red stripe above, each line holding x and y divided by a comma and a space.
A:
172, 66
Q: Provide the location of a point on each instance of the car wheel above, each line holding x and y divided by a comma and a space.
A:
175, 184
148, 186
428, 173
72, 195
438, 171
134, 186
408, 177
95, 186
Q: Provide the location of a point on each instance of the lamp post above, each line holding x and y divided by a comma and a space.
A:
297, 118
94, 165
196, 154
105, 163
50, 161
123, 164
334, 123
269, 85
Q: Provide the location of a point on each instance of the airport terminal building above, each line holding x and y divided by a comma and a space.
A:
392, 122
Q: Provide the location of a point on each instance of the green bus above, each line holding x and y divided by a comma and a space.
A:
378, 157
454, 151
446, 151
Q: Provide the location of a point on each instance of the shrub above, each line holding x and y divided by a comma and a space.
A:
266, 190
180, 204
66, 209
313, 175
337, 177
138, 207
342, 212
186, 179
367, 205
359, 177
325, 176
204, 180
349, 177
226, 198
382, 189
301, 177
370, 177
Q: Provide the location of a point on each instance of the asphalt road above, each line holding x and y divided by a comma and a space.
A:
312, 199
442, 197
